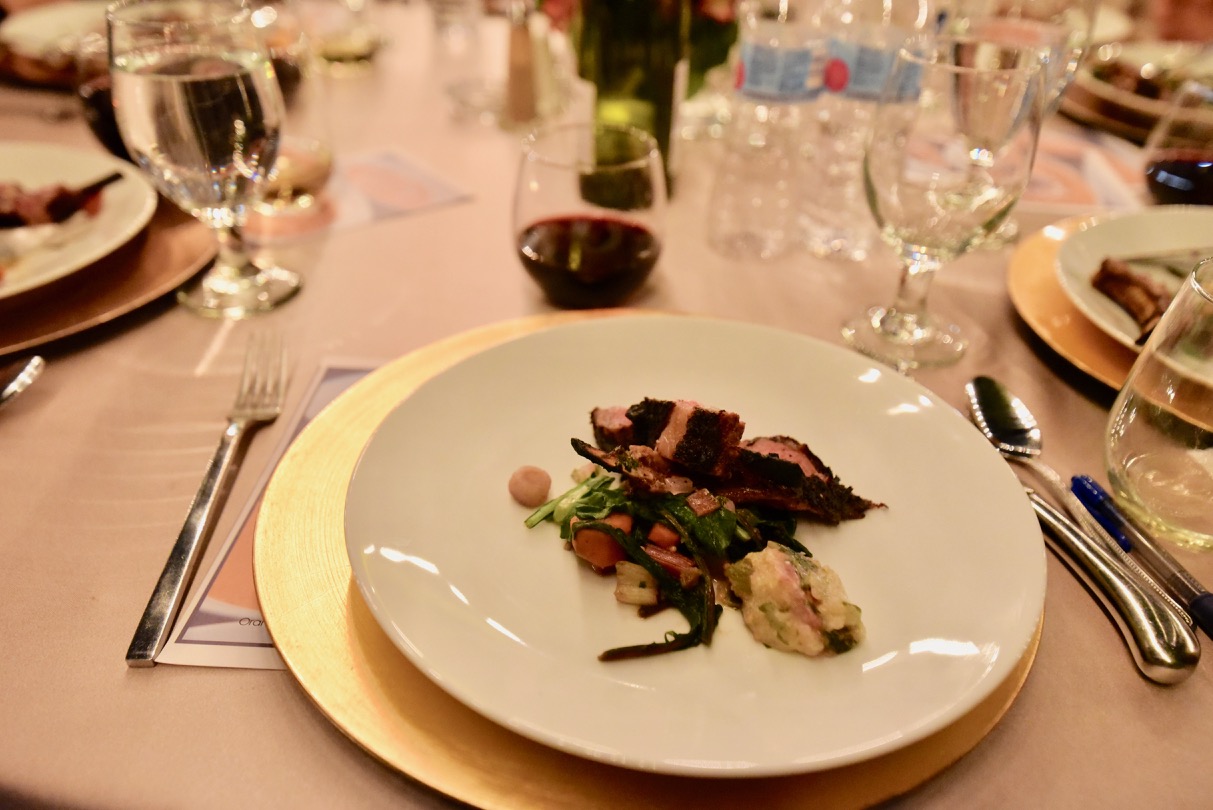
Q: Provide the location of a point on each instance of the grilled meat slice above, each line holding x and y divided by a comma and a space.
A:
781, 472
675, 447
47, 204
649, 418
612, 427
699, 439
1143, 298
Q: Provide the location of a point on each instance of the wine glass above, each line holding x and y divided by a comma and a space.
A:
952, 145
91, 83
589, 212
200, 111
1060, 28
1179, 151
305, 154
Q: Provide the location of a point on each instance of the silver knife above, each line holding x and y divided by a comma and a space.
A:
1163, 646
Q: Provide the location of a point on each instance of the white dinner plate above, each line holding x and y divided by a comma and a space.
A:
950, 577
1151, 230
126, 207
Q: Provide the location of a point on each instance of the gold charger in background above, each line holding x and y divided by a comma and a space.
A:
1040, 300
169, 252
335, 649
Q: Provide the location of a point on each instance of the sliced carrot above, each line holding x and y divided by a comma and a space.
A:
597, 547
662, 535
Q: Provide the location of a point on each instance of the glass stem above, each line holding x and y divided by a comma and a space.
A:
907, 317
233, 260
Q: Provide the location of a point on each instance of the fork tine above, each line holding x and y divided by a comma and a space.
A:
248, 378
277, 375
263, 381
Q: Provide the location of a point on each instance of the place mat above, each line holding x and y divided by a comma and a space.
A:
335, 649
1039, 299
171, 249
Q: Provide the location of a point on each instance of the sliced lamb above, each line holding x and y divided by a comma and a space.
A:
785, 474
612, 427
649, 418
700, 439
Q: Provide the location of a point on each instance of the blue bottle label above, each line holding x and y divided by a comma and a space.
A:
860, 72
778, 73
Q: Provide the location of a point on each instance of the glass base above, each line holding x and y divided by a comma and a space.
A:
904, 342
220, 294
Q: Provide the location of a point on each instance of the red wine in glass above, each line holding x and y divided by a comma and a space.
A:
97, 97
582, 261
1181, 176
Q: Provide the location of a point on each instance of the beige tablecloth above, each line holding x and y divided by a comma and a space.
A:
99, 460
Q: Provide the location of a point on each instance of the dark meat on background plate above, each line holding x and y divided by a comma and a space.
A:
1143, 298
47, 204
662, 446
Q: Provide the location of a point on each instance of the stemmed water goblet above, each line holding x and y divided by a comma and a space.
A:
951, 150
1061, 29
200, 111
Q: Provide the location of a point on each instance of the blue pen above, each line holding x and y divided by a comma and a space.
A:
1097, 502
1182, 585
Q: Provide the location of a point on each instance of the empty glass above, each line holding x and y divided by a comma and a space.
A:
1159, 448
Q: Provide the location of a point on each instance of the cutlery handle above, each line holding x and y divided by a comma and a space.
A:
182, 562
1086, 522
1163, 646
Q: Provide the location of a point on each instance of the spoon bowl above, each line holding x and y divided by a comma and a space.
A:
1003, 418
18, 376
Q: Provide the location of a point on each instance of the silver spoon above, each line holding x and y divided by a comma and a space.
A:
18, 376
1155, 628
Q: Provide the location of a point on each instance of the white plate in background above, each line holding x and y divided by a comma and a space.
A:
126, 207
1151, 230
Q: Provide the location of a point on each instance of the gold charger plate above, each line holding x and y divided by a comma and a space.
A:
170, 250
335, 649
1040, 300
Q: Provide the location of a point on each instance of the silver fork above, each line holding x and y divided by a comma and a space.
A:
258, 402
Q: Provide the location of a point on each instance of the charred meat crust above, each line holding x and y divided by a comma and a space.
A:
776, 471
709, 443
649, 418
763, 479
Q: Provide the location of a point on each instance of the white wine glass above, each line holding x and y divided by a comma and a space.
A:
200, 111
304, 164
952, 145
1061, 29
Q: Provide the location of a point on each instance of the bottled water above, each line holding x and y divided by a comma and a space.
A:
752, 211
863, 37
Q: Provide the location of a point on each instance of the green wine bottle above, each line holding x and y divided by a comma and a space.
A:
635, 54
